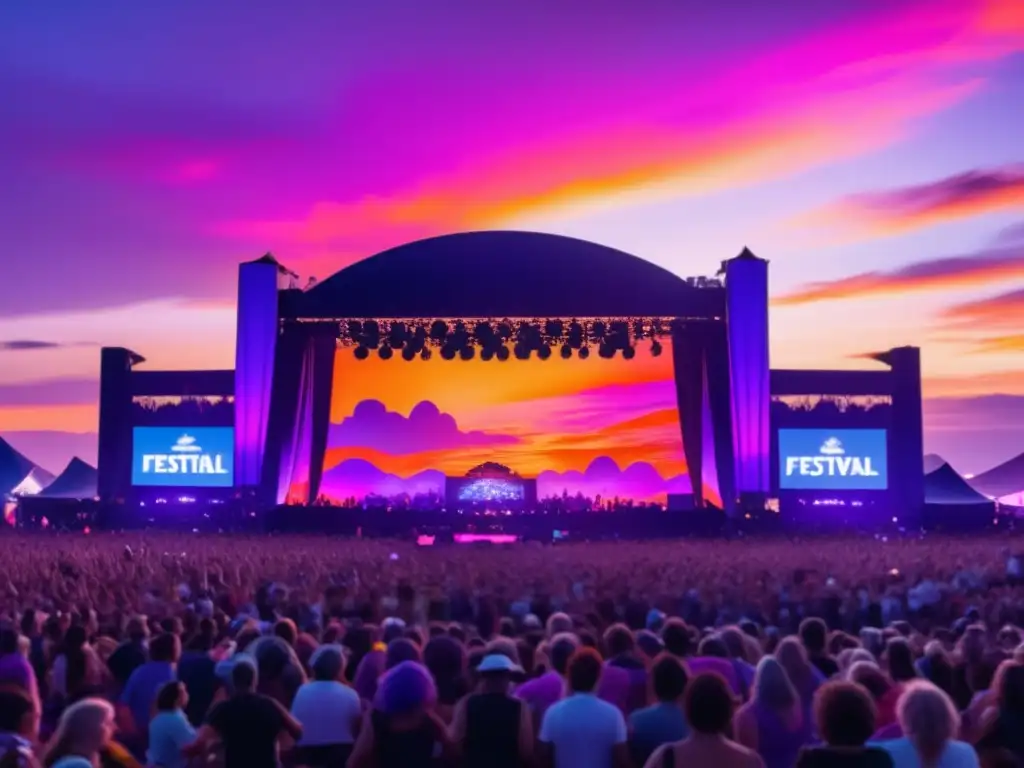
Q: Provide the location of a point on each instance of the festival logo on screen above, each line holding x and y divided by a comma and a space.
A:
852, 459
171, 456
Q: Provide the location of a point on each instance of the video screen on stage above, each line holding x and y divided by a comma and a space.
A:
592, 430
833, 459
184, 457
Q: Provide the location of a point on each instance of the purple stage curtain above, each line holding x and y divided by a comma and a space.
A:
304, 435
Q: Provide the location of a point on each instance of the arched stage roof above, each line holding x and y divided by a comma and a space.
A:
504, 274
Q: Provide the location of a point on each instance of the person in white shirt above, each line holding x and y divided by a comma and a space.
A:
930, 723
330, 711
582, 731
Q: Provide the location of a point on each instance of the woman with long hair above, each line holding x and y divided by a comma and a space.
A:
804, 676
772, 723
1002, 727
899, 660
930, 723
85, 729
883, 692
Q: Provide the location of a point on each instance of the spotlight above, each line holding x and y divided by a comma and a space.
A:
448, 352
385, 352
566, 352
486, 354
409, 354
598, 330
584, 353
502, 353
397, 335
606, 350
504, 330
522, 352
425, 354
553, 329
655, 348
438, 330
575, 335
544, 352
639, 329
466, 353
629, 353
362, 352
355, 328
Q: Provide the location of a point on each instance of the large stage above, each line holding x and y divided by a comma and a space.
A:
804, 442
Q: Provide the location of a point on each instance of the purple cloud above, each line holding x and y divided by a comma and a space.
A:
975, 191
1012, 234
985, 266
50, 392
372, 425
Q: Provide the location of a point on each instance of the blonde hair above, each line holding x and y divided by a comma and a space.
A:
793, 658
79, 722
928, 718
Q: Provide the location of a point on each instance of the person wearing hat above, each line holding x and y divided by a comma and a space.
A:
490, 727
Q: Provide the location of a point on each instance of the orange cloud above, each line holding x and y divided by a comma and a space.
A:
999, 344
933, 274
1005, 310
994, 382
894, 211
62, 418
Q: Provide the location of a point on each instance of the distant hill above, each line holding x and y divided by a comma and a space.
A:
603, 477
14, 467
359, 478
1003, 480
932, 461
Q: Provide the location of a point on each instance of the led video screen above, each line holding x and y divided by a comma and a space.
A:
833, 459
593, 429
183, 457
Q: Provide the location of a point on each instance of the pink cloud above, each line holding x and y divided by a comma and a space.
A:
478, 158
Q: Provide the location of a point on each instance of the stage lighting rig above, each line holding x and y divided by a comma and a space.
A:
629, 353
544, 352
566, 352
584, 353
408, 354
655, 348
467, 352
502, 353
385, 352
438, 331
576, 335
448, 352
361, 352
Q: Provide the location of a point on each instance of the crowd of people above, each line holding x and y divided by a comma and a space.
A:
171, 650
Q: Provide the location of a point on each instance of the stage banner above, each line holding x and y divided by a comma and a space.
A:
833, 459
189, 457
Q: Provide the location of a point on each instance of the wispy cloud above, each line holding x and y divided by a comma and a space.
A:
1005, 310
25, 345
978, 268
1012, 343
797, 107
893, 211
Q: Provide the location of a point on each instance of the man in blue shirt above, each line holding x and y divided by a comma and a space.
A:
663, 722
140, 691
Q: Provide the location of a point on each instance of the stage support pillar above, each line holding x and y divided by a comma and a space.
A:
746, 285
114, 450
906, 433
255, 348
688, 369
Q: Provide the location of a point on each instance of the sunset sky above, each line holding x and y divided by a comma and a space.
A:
870, 149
